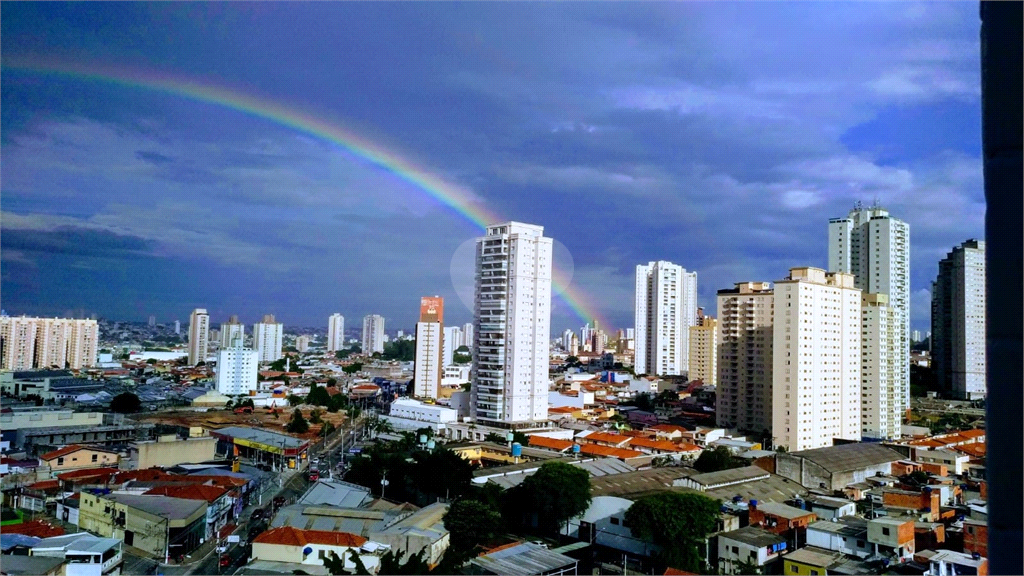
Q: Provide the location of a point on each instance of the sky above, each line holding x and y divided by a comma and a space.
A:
719, 136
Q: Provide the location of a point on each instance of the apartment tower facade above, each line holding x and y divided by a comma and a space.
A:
198, 336
335, 333
512, 320
704, 351
745, 343
429, 366
268, 336
230, 331
875, 248
27, 343
881, 388
816, 372
373, 334
665, 309
958, 321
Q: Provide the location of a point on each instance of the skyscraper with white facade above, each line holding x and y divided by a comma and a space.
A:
237, 367
467, 334
335, 333
231, 330
268, 338
198, 336
512, 319
816, 373
745, 339
875, 248
567, 339
665, 307
452, 341
429, 366
881, 388
373, 334
958, 321
704, 351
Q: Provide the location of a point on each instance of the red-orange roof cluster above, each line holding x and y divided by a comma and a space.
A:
550, 443
289, 536
204, 492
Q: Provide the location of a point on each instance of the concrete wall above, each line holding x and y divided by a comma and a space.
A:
811, 475
167, 454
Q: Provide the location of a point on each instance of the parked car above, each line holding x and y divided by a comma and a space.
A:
256, 531
225, 561
279, 501
258, 514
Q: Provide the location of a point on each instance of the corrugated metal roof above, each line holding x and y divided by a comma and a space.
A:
525, 558
849, 456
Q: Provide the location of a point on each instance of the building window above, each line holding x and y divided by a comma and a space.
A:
94, 456
60, 461
885, 531
792, 568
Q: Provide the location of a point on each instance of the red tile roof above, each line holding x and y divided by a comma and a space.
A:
662, 445
44, 485
616, 439
563, 410
87, 473
61, 452
976, 449
289, 536
598, 450
670, 571
191, 492
551, 443
669, 428
976, 433
37, 528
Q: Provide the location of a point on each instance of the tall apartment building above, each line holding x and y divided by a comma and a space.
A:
704, 350
467, 334
512, 320
881, 388
745, 342
452, 341
177, 327
666, 307
958, 321
567, 339
335, 333
268, 336
27, 343
816, 372
198, 336
373, 334
231, 330
302, 343
875, 248
237, 367
152, 321
429, 366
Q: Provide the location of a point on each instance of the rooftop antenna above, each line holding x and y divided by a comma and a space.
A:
875, 205
857, 205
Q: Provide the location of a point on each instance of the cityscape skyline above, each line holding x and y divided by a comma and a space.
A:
745, 166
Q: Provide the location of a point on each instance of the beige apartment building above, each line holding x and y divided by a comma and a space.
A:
881, 373
744, 363
28, 343
704, 351
816, 372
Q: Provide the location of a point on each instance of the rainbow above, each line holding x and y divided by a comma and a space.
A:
460, 200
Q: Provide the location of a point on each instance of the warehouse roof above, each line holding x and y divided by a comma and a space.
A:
523, 558
849, 456
262, 436
754, 536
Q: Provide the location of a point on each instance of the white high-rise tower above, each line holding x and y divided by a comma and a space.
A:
428, 368
335, 332
875, 248
230, 331
373, 334
881, 390
512, 319
198, 336
267, 338
237, 367
666, 307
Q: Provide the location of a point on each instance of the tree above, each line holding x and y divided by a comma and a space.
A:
402, 350
470, 523
443, 473
644, 401
678, 522
125, 403
554, 494
714, 460
352, 368
295, 400
460, 358
298, 424
318, 396
336, 565
314, 417
391, 563
247, 402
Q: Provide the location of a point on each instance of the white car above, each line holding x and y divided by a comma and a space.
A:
222, 549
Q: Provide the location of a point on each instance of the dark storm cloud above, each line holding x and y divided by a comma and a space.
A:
719, 135
77, 241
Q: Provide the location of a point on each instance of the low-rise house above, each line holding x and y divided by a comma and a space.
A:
159, 525
951, 563
835, 467
76, 457
219, 502
929, 535
604, 524
811, 561
17, 565
781, 519
749, 546
295, 546
86, 555
422, 531
892, 536
828, 508
848, 535
976, 536
955, 462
